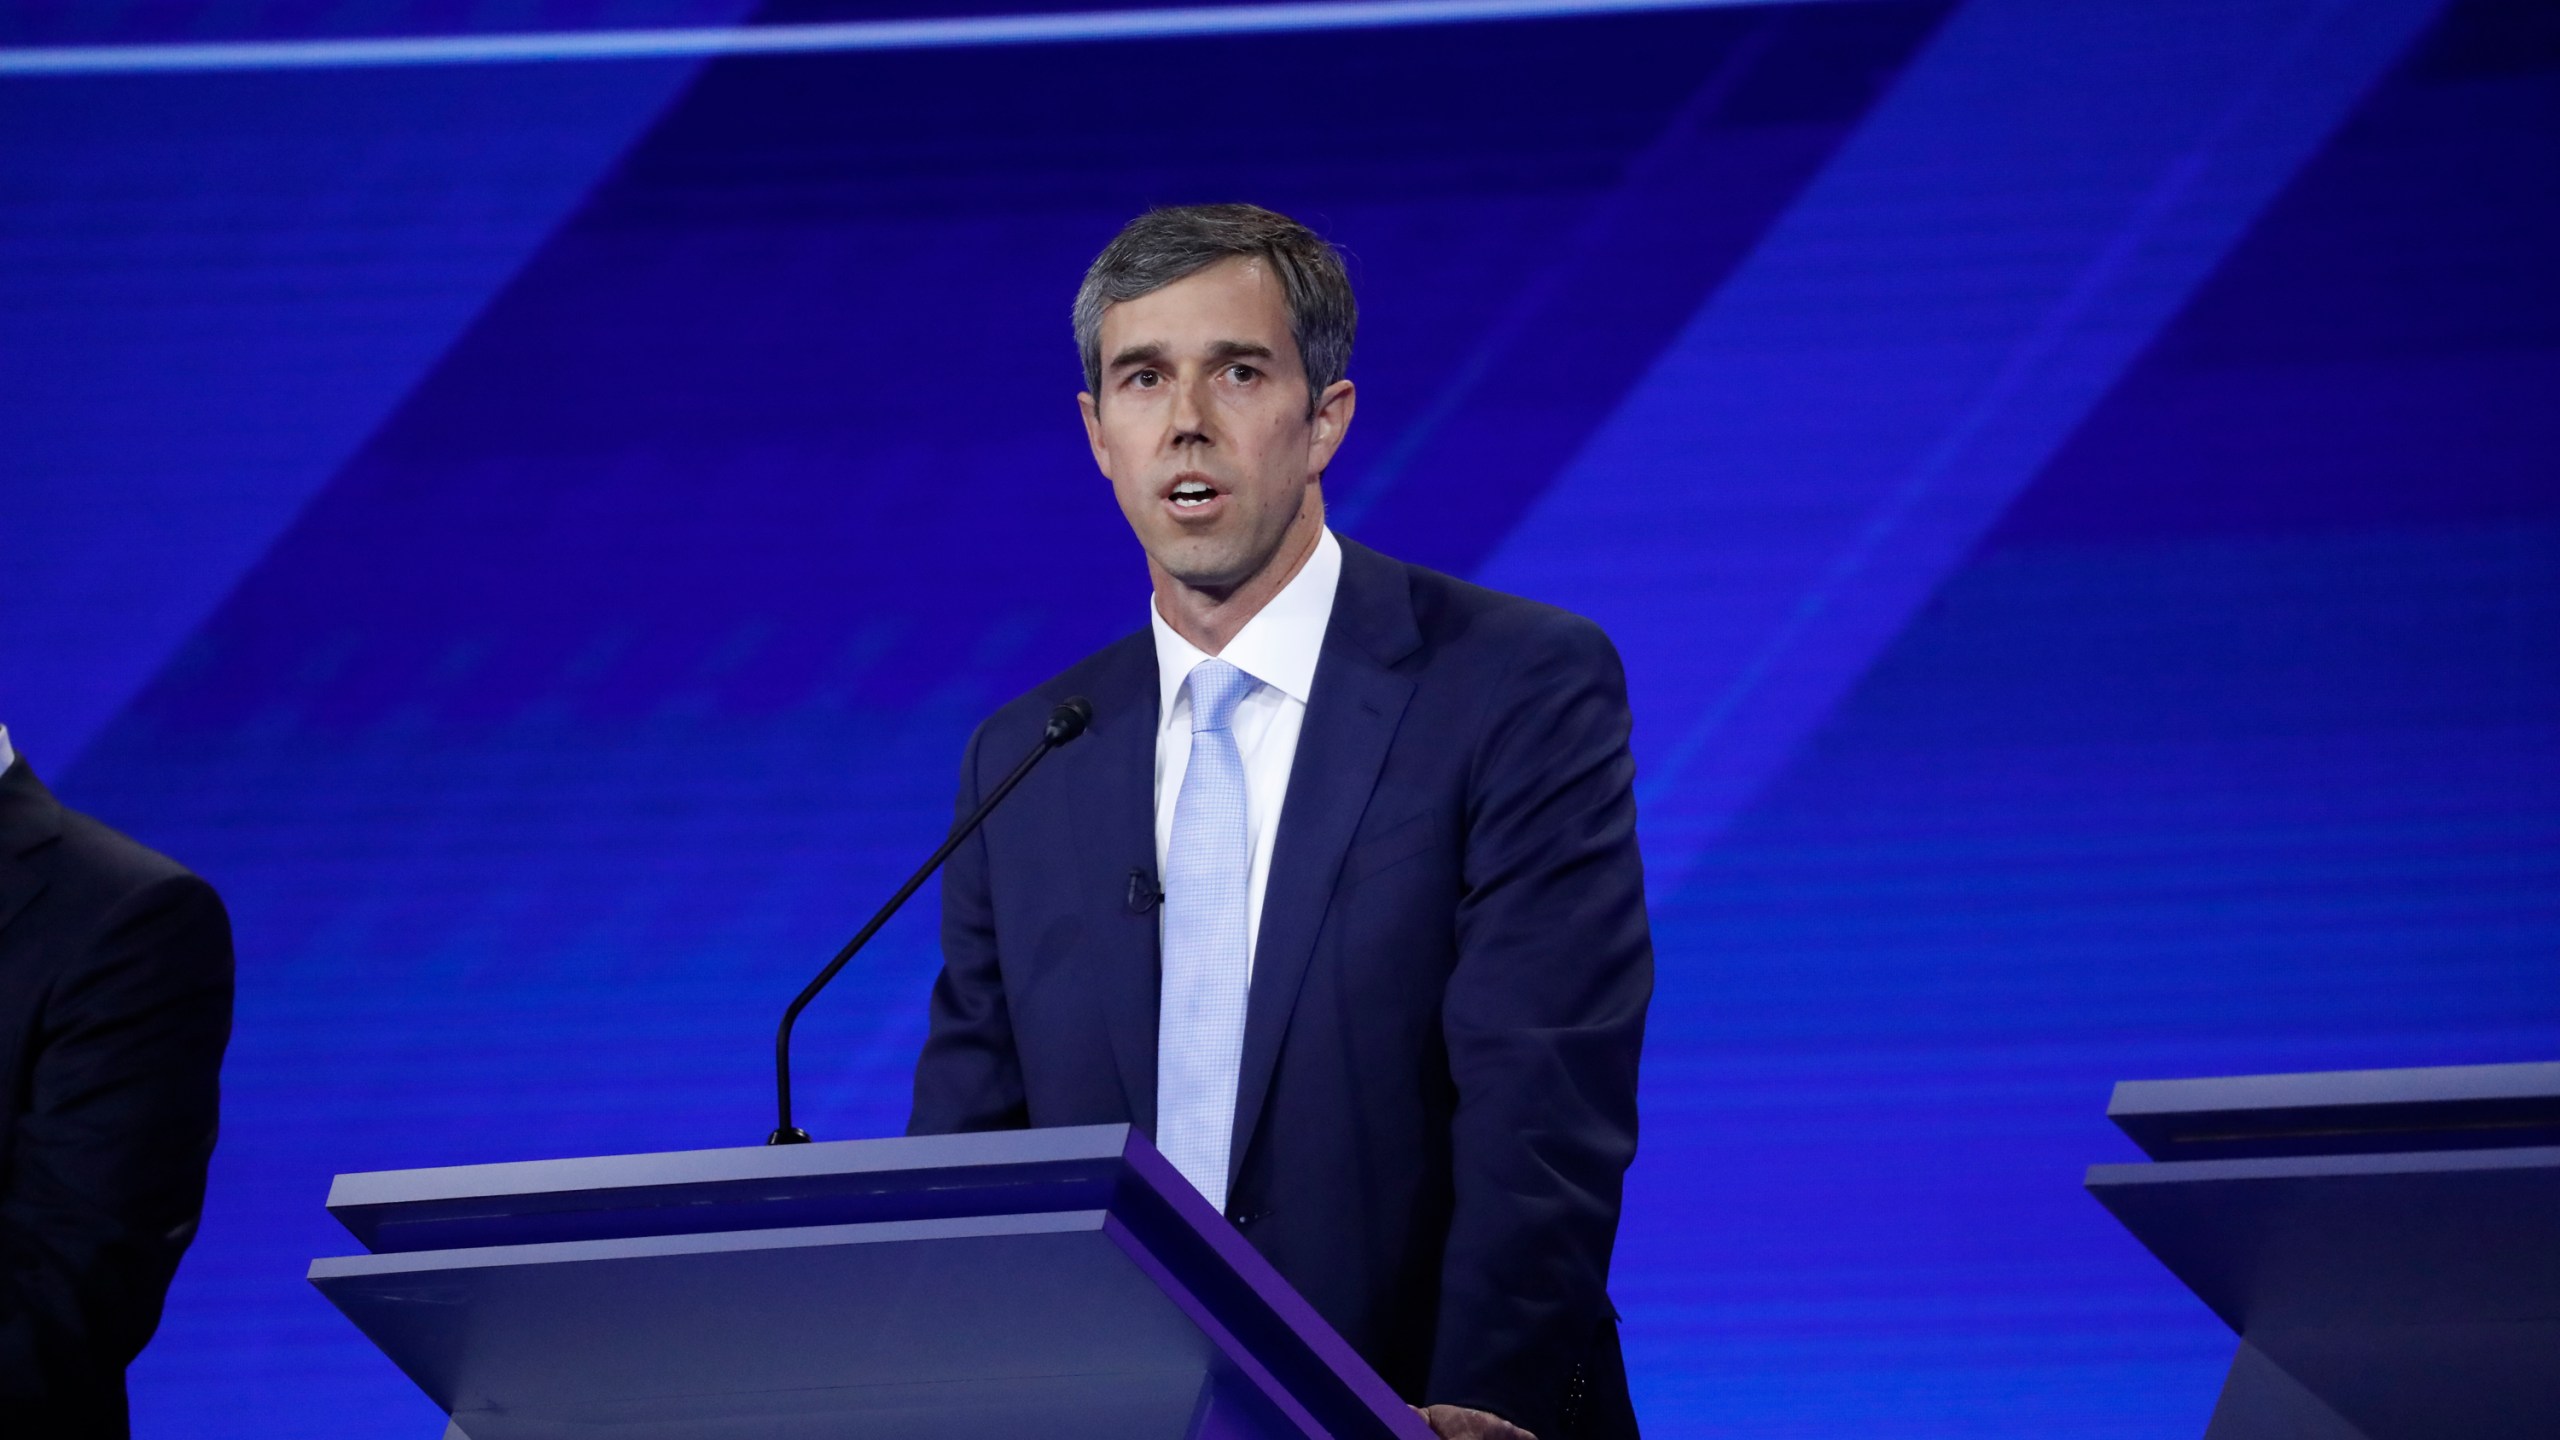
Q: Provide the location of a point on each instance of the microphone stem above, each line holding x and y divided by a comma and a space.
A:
786, 1133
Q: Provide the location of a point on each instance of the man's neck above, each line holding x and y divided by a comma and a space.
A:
1209, 619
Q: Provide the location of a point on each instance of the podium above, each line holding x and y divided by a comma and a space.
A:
1065, 1283
2386, 1243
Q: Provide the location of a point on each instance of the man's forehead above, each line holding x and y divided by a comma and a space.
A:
1236, 299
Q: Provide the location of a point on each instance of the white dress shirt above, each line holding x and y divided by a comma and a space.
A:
1277, 647
9, 757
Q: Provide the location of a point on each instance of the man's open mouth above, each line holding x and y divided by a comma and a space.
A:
1189, 494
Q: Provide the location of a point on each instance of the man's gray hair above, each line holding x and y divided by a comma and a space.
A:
1168, 243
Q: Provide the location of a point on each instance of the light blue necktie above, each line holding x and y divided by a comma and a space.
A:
1207, 966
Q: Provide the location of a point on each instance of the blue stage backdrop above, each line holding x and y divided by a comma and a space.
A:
2074, 483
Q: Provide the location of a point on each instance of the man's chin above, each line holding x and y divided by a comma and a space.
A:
1210, 568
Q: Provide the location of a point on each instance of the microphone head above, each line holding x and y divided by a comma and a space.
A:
1069, 719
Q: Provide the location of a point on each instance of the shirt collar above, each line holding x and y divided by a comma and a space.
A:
1279, 646
8, 757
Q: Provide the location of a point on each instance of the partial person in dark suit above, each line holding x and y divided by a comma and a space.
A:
1387, 1013
115, 1005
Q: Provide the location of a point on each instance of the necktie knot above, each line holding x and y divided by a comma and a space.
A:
1216, 687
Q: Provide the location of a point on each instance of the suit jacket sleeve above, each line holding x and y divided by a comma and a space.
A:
107, 1169
968, 1076
1543, 1018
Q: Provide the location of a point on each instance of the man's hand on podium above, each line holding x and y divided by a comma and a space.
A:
1454, 1422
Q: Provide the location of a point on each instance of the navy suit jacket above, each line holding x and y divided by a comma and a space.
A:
115, 1005
1437, 1099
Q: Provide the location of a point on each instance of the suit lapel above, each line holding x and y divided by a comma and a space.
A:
18, 885
1112, 815
1352, 715
29, 817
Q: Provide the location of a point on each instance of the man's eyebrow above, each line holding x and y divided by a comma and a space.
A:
1153, 353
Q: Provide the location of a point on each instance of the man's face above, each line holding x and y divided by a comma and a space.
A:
1202, 424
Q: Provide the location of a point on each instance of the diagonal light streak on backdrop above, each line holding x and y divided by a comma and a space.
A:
1853, 409
704, 42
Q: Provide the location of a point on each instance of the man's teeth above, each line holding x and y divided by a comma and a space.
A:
1193, 494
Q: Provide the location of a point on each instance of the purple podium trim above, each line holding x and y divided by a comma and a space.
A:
1291, 1309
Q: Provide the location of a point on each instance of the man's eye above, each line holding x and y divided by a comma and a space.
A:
1144, 379
1242, 374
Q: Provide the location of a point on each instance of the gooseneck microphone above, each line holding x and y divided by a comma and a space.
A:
1065, 723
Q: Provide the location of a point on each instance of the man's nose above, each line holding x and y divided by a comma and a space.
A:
1190, 416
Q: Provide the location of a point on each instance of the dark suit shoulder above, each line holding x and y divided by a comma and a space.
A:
118, 861
89, 858
80, 878
1502, 628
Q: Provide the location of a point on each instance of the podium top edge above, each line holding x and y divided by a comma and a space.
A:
2320, 1089
364, 1189
2128, 1175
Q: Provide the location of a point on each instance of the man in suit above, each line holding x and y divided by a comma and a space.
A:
115, 1005
1387, 1013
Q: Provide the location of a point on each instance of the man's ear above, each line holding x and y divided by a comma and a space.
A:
1093, 429
1332, 422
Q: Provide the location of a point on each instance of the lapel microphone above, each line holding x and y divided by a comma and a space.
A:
1143, 894
1065, 723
